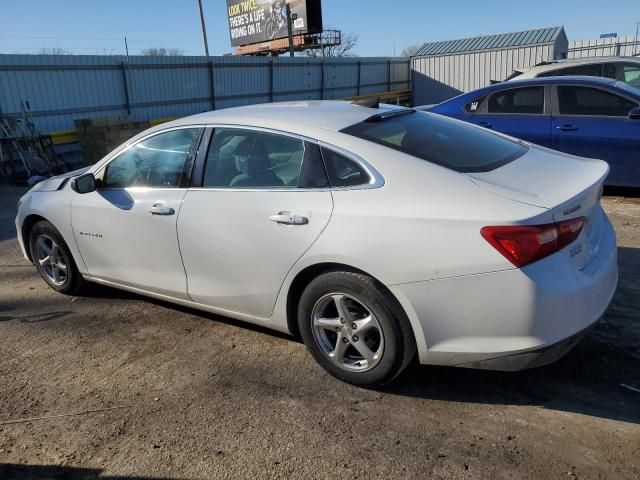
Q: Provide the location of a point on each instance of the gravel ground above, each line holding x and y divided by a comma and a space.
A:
154, 390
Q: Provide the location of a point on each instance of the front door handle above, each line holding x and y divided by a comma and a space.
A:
287, 218
159, 209
568, 128
485, 124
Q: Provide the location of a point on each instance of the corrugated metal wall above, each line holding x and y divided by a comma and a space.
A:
604, 47
437, 78
62, 88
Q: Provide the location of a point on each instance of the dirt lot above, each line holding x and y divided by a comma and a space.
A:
205, 397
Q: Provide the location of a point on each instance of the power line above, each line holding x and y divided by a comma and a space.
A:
105, 39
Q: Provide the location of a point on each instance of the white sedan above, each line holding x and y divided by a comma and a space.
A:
378, 234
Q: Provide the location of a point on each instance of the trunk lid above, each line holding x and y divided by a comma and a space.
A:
568, 186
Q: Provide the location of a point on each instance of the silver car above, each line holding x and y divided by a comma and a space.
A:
624, 69
379, 235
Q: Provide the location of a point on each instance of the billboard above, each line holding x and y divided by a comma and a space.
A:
255, 21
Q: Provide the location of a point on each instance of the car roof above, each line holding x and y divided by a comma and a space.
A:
568, 79
567, 62
517, 82
296, 117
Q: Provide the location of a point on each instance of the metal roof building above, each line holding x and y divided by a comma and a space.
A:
441, 70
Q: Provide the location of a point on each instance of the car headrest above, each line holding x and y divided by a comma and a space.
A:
254, 157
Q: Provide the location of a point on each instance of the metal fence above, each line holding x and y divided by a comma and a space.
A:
604, 47
62, 88
440, 77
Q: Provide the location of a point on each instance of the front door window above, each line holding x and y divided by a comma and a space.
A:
159, 162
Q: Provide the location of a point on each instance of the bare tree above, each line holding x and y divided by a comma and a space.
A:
411, 50
348, 43
162, 52
54, 51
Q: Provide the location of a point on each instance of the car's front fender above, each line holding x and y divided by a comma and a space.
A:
54, 207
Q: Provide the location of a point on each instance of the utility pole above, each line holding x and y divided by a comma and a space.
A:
204, 30
126, 48
635, 43
289, 29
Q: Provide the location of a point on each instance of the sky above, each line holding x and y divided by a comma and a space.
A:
382, 26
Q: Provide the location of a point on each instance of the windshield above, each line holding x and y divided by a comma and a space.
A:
441, 140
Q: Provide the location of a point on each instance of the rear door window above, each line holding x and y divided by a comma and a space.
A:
244, 158
574, 100
629, 73
444, 141
528, 100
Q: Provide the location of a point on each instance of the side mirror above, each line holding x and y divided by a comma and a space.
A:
634, 113
84, 183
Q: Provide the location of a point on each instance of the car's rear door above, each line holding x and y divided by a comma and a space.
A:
261, 200
521, 112
593, 122
126, 229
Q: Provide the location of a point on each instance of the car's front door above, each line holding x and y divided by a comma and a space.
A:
262, 202
520, 112
594, 123
126, 230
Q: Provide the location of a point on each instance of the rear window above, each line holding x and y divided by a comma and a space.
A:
440, 140
590, 70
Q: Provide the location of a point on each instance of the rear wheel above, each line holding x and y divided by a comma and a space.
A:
355, 329
52, 258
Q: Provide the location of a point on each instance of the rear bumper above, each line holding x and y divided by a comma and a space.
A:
512, 319
531, 359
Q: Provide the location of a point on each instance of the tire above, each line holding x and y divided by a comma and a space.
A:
270, 29
373, 344
46, 242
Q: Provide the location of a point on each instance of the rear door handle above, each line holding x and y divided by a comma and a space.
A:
159, 209
287, 218
568, 128
485, 124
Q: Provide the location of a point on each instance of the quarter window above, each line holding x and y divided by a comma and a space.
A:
158, 162
592, 101
342, 171
529, 100
242, 158
472, 107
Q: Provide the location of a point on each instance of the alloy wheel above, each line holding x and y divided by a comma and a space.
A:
51, 260
347, 332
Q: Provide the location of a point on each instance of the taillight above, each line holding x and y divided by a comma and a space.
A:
523, 244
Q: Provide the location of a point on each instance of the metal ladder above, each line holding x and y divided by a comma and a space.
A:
24, 152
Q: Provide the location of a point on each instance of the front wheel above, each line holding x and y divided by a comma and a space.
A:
52, 258
355, 329
271, 29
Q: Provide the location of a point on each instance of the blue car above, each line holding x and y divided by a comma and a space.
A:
586, 116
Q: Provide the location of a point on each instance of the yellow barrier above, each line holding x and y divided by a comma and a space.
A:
63, 137
383, 96
158, 121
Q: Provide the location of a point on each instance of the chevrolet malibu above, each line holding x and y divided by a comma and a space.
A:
378, 234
